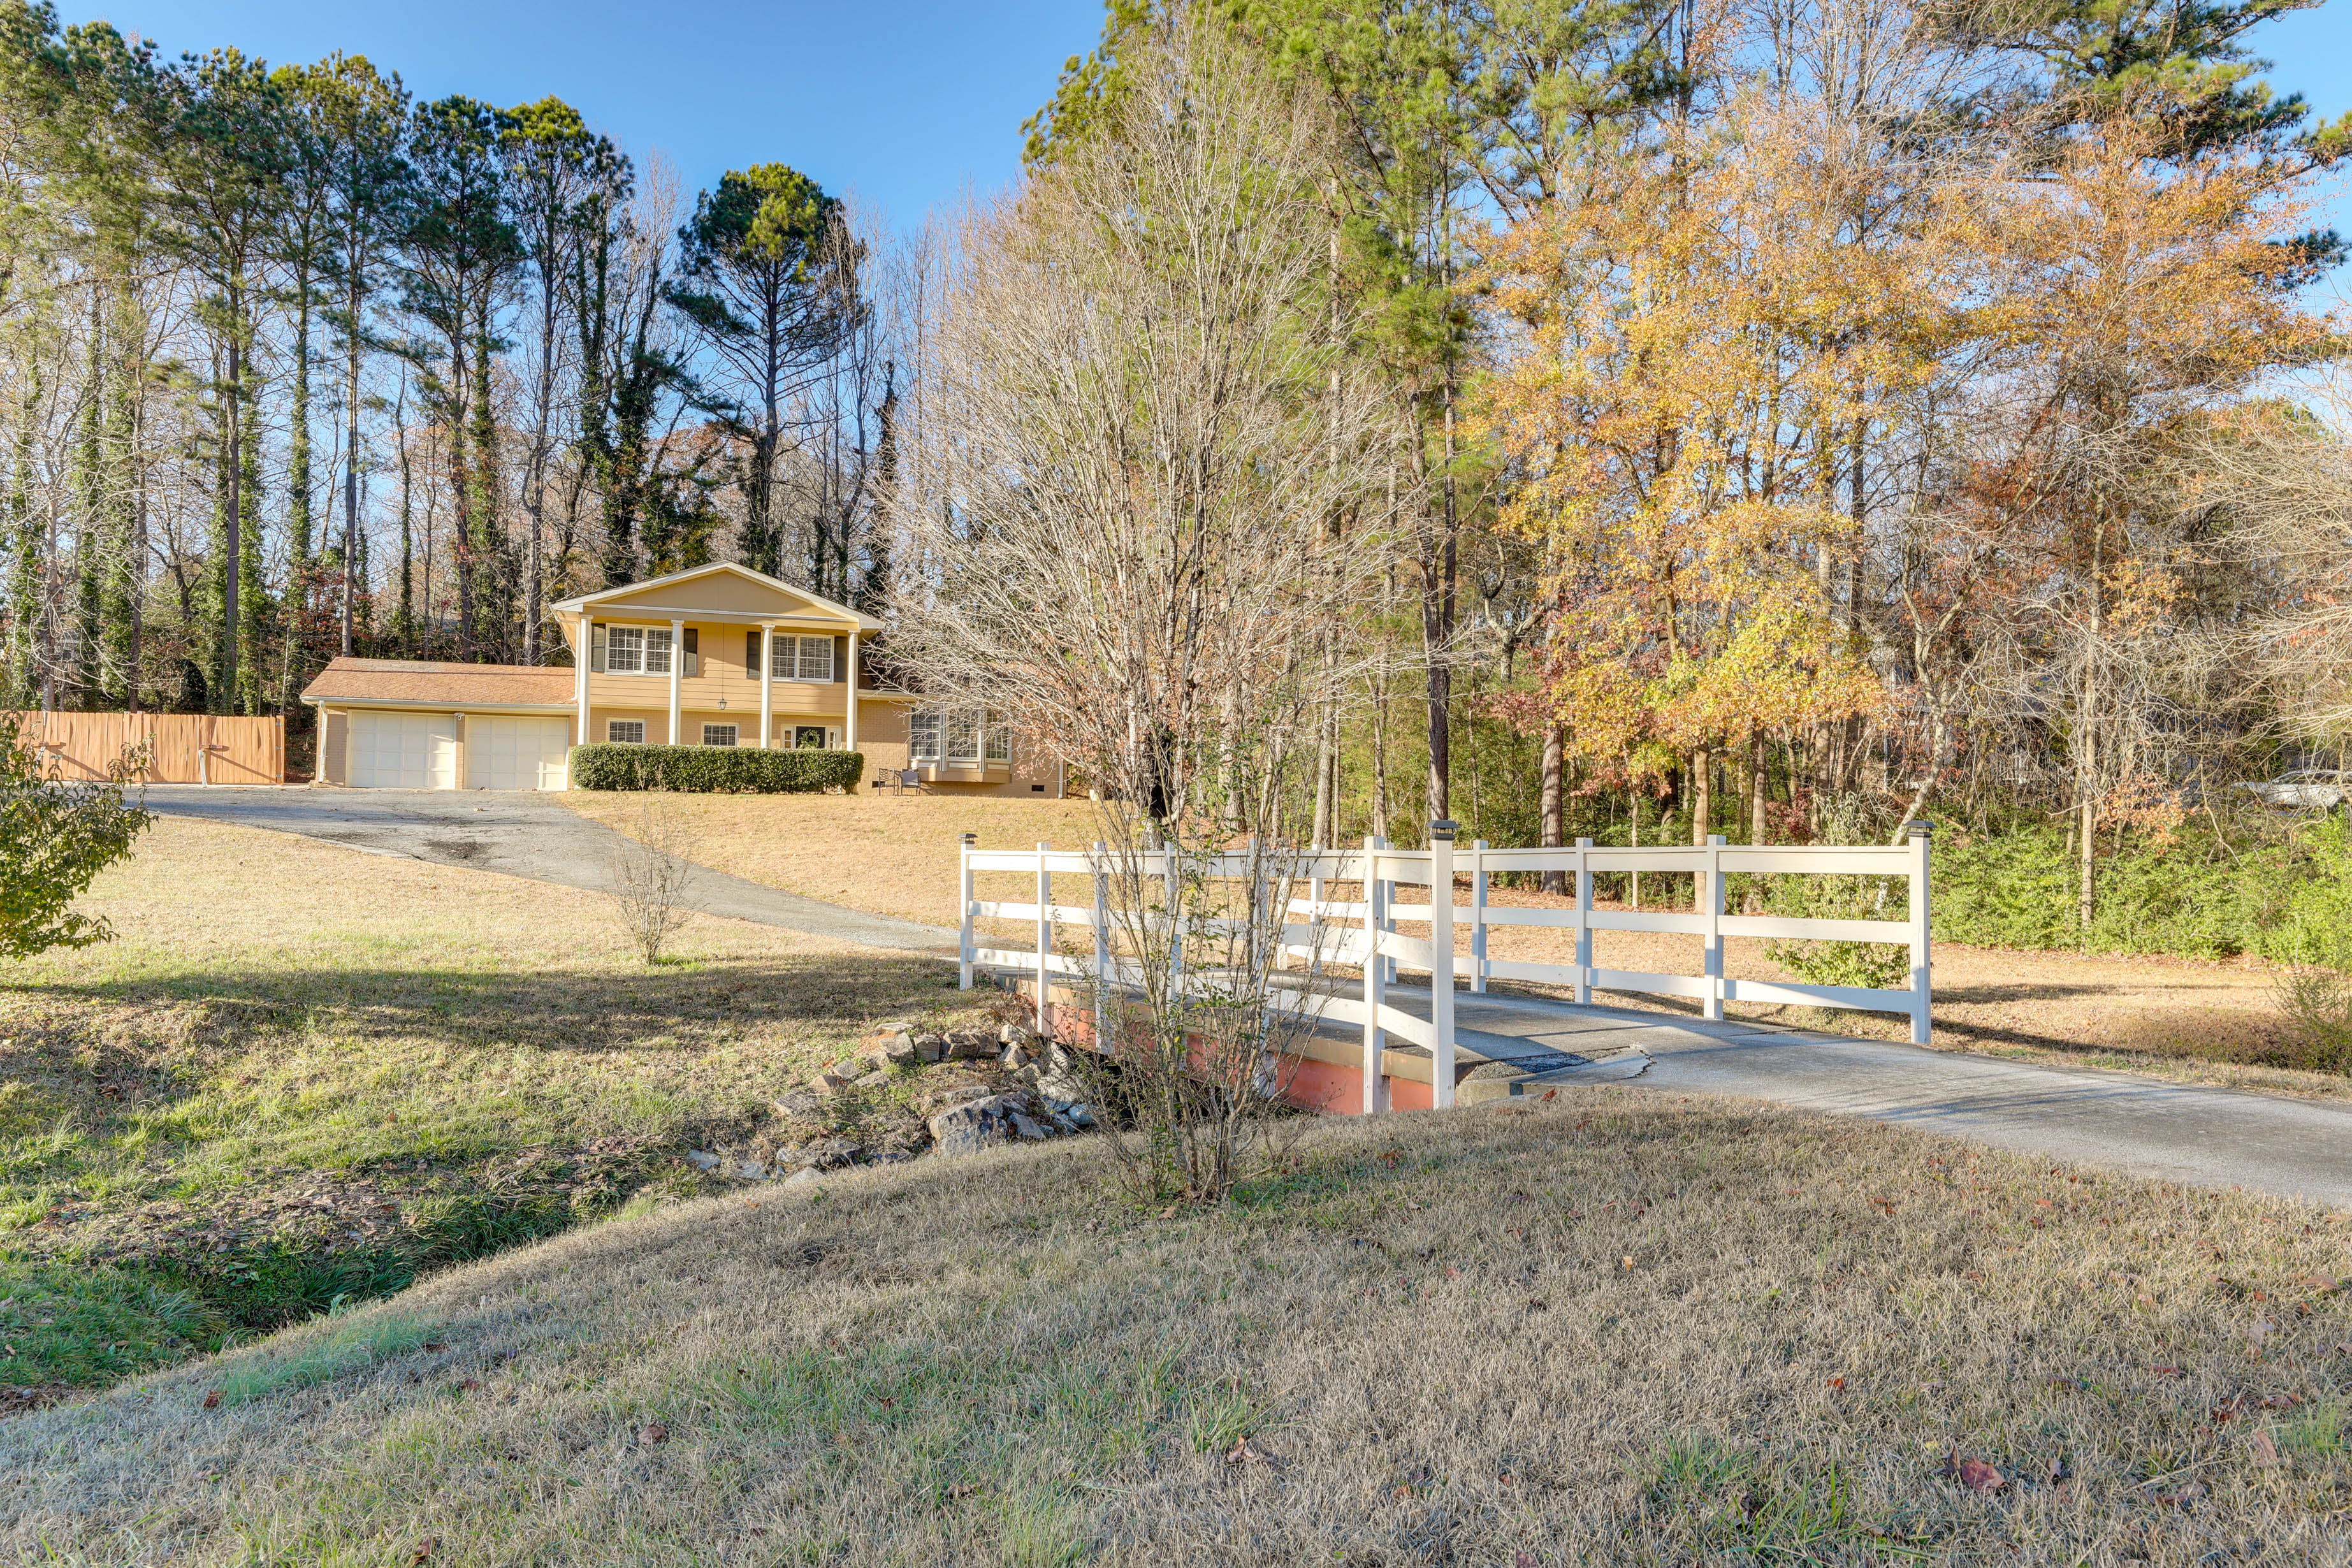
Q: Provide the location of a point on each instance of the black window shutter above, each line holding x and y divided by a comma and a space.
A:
752, 654
693, 656
840, 659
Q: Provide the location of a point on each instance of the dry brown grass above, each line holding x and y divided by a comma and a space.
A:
1620, 1328
882, 852
302, 1071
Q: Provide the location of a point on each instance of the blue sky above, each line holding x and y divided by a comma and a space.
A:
906, 102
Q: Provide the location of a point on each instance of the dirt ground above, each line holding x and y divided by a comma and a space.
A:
2185, 1018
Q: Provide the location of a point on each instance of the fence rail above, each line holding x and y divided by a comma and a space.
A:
1362, 931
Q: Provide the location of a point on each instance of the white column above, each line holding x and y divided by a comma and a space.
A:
1711, 1005
849, 724
1584, 922
1923, 1022
767, 673
1375, 971
587, 633
1478, 915
1440, 974
676, 667
1044, 941
965, 944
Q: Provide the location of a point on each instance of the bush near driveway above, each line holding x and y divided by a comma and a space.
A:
715, 770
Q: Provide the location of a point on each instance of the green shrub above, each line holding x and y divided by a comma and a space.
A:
715, 770
2198, 897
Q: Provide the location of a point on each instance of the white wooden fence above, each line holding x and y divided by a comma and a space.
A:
1362, 931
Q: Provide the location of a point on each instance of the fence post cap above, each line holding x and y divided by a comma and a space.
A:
1442, 830
969, 840
1919, 827
1716, 840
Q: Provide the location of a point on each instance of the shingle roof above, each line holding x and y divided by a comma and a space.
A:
441, 685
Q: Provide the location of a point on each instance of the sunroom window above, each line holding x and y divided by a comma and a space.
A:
961, 736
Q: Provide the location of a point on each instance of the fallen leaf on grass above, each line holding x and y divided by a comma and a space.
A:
652, 1432
433, 1345
1537, 1304
2265, 1451
1836, 1382
469, 1386
212, 1400
962, 1490
424, 1549
1975, 1474
1244, 1452
2168, 1371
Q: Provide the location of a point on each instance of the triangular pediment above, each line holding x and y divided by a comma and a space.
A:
722, 588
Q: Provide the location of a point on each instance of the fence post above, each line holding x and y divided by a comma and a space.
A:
963, 950
1714, 907
1102, 950
1045, 940
1922, 993
1375, 974
1175, 930
1314, 912
1478, 915
1441, 964
1584, 922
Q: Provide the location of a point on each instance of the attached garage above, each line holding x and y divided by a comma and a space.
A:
395, 723
403, 750
508, 752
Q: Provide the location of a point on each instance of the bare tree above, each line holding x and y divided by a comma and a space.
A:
1143, 412
653, 879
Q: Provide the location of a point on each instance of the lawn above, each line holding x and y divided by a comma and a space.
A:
1620, 1327
2189, 1019
303, 1075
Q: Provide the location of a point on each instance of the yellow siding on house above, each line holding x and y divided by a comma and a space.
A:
721, 592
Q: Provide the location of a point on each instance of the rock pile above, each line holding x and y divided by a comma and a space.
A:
1025, 1088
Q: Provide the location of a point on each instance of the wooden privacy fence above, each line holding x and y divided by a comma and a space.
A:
1362, 931
184, 748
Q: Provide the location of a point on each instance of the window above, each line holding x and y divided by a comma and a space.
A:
624, 649
963, 736
625, 731
657, 644
718, 734
809, 738
957, 735
803, 659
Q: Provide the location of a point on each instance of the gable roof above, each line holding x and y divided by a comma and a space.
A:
416, 680
581, 603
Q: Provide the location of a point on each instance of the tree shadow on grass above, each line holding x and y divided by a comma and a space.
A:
555, 1010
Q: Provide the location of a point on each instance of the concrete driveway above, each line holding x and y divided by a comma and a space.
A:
2199, 1137
516, 834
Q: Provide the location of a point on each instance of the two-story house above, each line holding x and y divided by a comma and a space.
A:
719, 656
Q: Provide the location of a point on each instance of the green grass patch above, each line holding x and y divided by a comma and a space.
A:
347, 1345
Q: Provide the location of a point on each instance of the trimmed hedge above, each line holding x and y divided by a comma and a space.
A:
715, 770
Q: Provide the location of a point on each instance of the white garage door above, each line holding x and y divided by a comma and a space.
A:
516, 754
403, 750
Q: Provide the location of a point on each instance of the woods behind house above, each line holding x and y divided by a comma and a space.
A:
1638, 420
